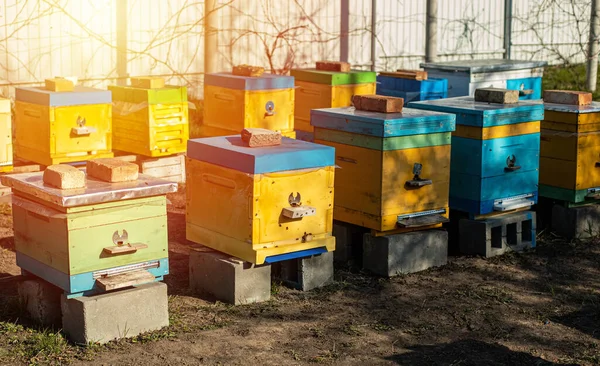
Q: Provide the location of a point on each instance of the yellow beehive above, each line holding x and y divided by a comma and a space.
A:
260, 203
232, 103
6, 147
150, 118
53, 127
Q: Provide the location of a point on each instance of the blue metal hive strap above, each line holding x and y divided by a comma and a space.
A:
295, 255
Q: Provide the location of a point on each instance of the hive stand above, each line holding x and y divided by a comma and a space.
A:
306, 273
576, 221
348, 243
495, 235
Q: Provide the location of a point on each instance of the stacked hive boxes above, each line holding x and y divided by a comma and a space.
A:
62, 123
150, 118
465, 76
395, 167
81, 233
318, 88
411, 86
6, 146
260, 204
234, 102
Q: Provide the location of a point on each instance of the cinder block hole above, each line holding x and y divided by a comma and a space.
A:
497, 237
511, 234
527, 230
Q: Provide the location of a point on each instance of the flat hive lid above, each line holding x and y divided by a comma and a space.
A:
132, 94
263, 82
231, 152
333, 77
409, 122
95, 192
483, 114
81, 95
567, 108
479, 66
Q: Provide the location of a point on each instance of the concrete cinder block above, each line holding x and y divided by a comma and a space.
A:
114, 315
497, 235
576, 222
411, 252
41, 300
228, 279
307, 273
348, 243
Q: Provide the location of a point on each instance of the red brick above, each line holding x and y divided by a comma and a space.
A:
378, 103
259, 137
247, 70
333, 66
567, 97
112, 170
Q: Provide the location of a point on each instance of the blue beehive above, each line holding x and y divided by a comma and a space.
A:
412, 90
495, 153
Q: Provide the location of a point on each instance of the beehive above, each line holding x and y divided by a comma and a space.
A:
412, 90
54, 127
327, 89
150, 118
465, 76
232, 103
495, 154
395, 167
246, 201
6, 144
570, 152
77, 238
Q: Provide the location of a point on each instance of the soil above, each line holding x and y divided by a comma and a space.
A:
541, 307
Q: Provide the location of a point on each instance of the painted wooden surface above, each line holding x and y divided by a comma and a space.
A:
240, 213
571, 118
431, 86
44, 134
311, 96
73, 242
334, 78
488, 158
231, 152
269, 82
233, 110
6, 143
371, 183
563, 194
409, 122
81, 95
530, 83
152, 130
380, 143
473, 132
168, 95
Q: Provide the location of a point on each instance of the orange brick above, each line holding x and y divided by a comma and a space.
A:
333, 66
378, 103
64, 176
567, 97
247, 70
258, 137
112, 170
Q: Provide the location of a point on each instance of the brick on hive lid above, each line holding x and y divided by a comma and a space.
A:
497, 95
406, 74
567, 97
378, 103
112, 170
64, 176
148, 82
259, 137
59, 84
333, 66
247, 70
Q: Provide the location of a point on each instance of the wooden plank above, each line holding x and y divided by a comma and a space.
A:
125, 280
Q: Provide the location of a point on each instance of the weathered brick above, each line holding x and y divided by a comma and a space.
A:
378, 103
59, 85
257, 137
112, 170
64, 177
333, 66
148, 82
497, 95
406, 74
567, 97
247, 70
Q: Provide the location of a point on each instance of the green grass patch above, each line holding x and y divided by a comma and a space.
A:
567, 77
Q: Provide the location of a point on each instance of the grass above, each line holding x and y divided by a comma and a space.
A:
567, 77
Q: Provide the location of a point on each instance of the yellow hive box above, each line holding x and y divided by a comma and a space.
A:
60, 127
150, 118
260, 203
6, 147
232, 103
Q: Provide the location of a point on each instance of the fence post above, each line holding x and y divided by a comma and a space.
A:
344, 30
431, 40
373, 34
592, 64
121, 33
210, 36
508, 9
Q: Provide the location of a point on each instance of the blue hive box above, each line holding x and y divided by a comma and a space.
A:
494, 155
412, 90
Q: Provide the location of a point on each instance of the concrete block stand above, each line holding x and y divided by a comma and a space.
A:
227, 278
348, 243
392, 255
307, 273
580, 222
114, 315
41, 300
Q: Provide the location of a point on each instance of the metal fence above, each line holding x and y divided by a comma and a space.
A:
88, 39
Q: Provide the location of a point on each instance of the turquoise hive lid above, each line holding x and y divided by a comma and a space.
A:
263, 82
80, 95
483, 114
409, 122
231, 152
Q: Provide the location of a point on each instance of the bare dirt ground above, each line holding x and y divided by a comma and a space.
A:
536, 308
